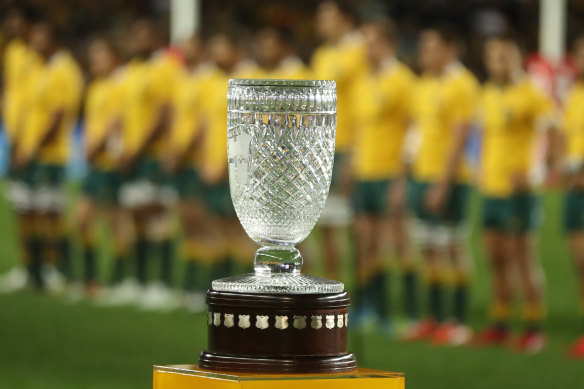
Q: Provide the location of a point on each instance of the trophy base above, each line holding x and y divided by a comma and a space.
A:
192, 376
277, 333
278, 283
293, 365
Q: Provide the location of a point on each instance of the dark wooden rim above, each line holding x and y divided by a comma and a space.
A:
307, 364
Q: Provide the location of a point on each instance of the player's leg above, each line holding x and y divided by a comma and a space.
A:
397, 222
85, 213
335, 216
121, 232
362, 303
576, 239
140, 219
54, 224
577, 246
119, 221
497, 247
163, 237
196, 273
137, 195
231, 231
455, 331
363, 235
532, 285
530, 272
425, 231
19, 194
574, 226
378, 273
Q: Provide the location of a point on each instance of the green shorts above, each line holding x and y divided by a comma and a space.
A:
186, 182
516, 215
146, 168
574, 211
102, 186
217, 198
21, 189
454, 211
370, 197
49, 175
24, 175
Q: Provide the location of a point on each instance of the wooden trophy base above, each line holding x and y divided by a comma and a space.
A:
270, 333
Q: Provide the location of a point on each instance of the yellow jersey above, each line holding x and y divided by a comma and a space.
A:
291, 68
55, 86
439, 105
214, 106
510, 116
103, 107
148, 86
573, 124
19, 63
382, 109
344, 63
187, 103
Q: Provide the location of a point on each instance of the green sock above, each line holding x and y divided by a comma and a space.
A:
118, 271
410, 300
533, 326
191, 272
378, 294
167, 259
460, 302
435, 296
223, 268
141, 252
64, 260
34, 246
89, 263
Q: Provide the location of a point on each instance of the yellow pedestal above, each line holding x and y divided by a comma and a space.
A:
191, 377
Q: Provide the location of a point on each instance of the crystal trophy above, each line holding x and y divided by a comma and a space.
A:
281, 142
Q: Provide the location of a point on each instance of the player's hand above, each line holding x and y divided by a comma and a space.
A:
521, 182
212, 176
126, 163
21, 160
578, 181
553, 178
171, 164
397, 195
346, 184
436, 197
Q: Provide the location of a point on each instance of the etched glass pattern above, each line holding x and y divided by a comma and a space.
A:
281, 141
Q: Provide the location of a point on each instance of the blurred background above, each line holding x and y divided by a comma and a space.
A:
105, 254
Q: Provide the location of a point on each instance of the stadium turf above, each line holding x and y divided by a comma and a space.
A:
47, 342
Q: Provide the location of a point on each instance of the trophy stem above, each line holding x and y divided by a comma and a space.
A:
277, 259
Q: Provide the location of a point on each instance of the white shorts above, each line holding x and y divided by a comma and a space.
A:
140, 193
426, 234
337, 212
43, 199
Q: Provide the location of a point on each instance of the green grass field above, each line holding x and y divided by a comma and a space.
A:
46, 342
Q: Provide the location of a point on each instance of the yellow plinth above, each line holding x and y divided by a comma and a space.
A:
192, 377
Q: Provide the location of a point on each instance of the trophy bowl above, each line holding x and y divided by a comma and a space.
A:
281, 143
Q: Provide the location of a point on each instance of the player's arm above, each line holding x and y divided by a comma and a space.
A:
96, 147
546, 121
556, 141
52, 130
155, 131
182, 148
439, 193
465, 106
